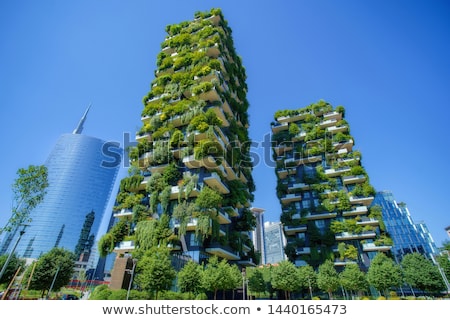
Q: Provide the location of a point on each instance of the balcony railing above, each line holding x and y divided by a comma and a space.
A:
355, 211
223, 251
213, 180
291, 230
291, 197
353, 236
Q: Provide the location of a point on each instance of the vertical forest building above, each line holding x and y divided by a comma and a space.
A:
324, 191
190, 185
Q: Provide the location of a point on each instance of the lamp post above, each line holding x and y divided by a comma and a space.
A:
243, 284
53, 282
131, 277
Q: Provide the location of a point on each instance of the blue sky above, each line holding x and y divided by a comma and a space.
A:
387, 62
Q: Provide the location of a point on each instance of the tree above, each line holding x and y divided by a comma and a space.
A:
383, 273
352, 278
13, 265
29, 190
234, 279
55, 266
328, 278
421, 273
190, 278
215, 275
256, 281
308, 278
285, 277
154, 271
444, 263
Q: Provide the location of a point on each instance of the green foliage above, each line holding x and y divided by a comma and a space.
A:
154, 272
307, 276
256, 281
190, 279
285, 277
327, 278
106, 244
29, 189
57, 264
219, 275
352, 278
208, 200
421, 273
383, 273
14, 263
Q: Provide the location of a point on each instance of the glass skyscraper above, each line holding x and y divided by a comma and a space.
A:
81, 174
408, 236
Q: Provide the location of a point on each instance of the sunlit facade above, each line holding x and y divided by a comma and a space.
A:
81, 174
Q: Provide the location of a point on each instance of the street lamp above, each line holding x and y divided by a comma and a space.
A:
243, 284
131, 278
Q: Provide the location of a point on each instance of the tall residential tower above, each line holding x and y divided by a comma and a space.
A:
323, 189
191, 171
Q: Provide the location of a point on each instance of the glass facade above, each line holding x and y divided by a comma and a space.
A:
408, 237
81, 174
274, 242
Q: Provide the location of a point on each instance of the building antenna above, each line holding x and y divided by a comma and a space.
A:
79, 128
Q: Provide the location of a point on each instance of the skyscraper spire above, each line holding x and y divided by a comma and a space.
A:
79, 128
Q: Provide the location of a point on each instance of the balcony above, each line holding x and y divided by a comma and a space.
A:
291, 197
299, 137
298, 186
211, 95
175, 191
365, 201
219, 113
160, 168
296, 162
213, 51
368, 247
143, 136
347, 145
292, 230
208, 162
355, 236
327, 123
336, 129
360, 210
321, 216
293, 118
365, 221
124, 247
283, 173
281, 149
223, 217
146, 159
213, 180
242, 177
230, 173
190, 226
223, 251
354, 179
280, 127
123, 213
332, 115
303, 250
336, 172
232, 211
342, 263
